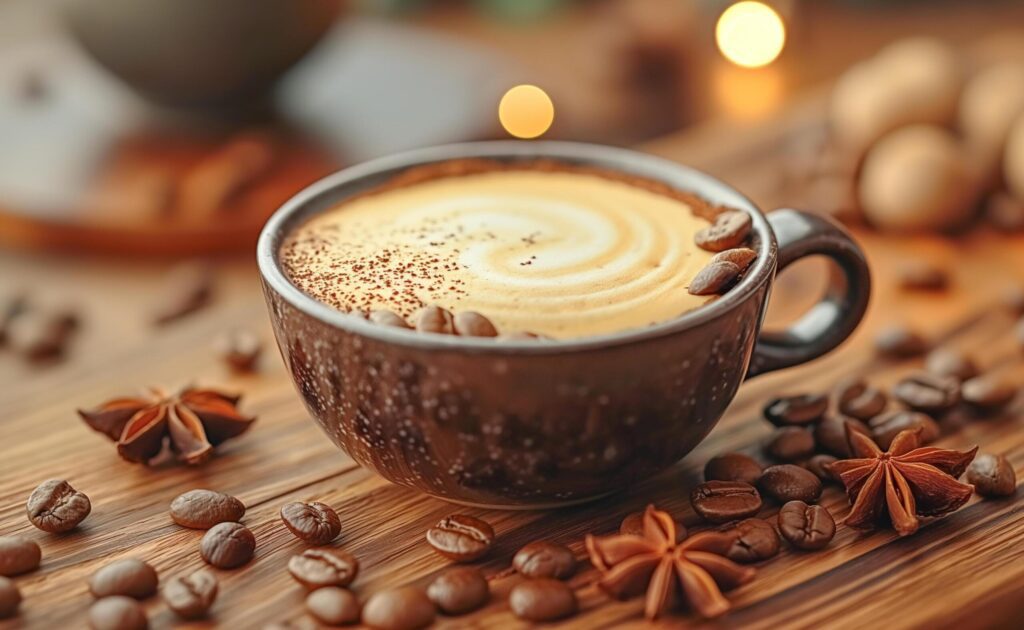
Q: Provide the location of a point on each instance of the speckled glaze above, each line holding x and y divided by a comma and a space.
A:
531, 424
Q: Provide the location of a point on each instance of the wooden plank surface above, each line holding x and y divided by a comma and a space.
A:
962, 570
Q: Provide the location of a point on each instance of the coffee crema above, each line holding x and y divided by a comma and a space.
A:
558, 252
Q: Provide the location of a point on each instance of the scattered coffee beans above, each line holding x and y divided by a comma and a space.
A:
790, 444
950, 362
886, 427
723, 501
472, 324
920, 275
732, 467
740, 256
316, 568
857, 399
928, 392
715, 278
405, 608
227, 545
240, 350
819, 465
459, 590
992, 476
805, 526
387, 318
57, 507
434, 319
830, 434
787, 482
728, 231
461, 538
10, 598
753, 540
202, 509
18, 555
333, 606
191, 596
799, 410
898, 342
545, 559
313, 523
541, 600
988, 393
117, 613
130, 577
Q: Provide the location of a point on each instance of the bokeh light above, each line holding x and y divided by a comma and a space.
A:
526, 111
750, 34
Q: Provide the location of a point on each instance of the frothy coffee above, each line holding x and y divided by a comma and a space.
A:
555, 252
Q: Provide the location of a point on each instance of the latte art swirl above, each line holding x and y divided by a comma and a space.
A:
558, 253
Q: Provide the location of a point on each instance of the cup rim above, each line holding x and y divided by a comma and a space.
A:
332, 189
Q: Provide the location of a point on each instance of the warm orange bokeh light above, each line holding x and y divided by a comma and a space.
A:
526, 111
750, 34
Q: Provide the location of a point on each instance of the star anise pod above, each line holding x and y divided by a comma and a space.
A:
191, 422
694, 569
901, 484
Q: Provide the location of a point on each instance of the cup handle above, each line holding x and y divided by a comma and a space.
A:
829, 322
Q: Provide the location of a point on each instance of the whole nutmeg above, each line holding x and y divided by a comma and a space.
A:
917, 179
1013, 162
992, 100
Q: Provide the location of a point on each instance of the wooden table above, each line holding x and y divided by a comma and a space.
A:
964, 569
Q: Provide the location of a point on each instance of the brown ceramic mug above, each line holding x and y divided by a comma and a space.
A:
535, 424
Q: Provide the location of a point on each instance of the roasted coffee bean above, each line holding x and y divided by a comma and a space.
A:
333, 606
42, 334
819, 465
130, 577
928, 392
405, 608
545, 559
434, 319
187, 288
753, 540
10, 598
830, 434
316, 568
633, 525
992, 476
1004, 212
240, 350
732, 467
805, 526
988, 393
202, 509
886, 427
461, 538
857, 399
787, 482
227, 545
18, 555
191, 596
898, 342
387, 318
723, 501
790, 444
715, 278
459, 590
729, 230
57, 507
313, 523
542, 600
117, 613
740, 256
949, 362
471, 324
920, 275
800, 410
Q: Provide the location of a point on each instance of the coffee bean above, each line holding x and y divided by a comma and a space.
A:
405, 608
714, 279
191, 596
920, 275
723, 501
461, 538
434, 319
928, 392
753, 540
545, 559
18, 555
988, 393
806, 527
227, 545
202, 509
1004, 212
819, 465
729, 230
117, 613
57, 507
800, 410
10, 598
830, 434
387, 318
541, 600
633, 525
333, 606
992, 476
886, 427
459, 590
130, 577
316, 568
740, 256
314, 523
470, 324
732, 467
787, 482
949, 362
42, 334
898, 342
790, 444
240, 350
857, 399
